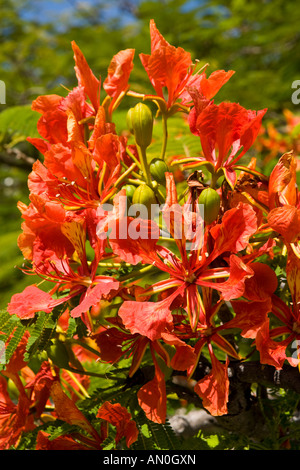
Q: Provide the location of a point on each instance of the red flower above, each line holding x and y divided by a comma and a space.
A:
117, 415
52, 260
44, 442
66, 410
286, 221
226, 131
72, 237
214, 387
86, 78
42, 224
272, 350
82, 153
14, 418
116, 82
191, 270
30, 301
115, 343
171, 69
282, 182
55, 112
284, 215
40, 388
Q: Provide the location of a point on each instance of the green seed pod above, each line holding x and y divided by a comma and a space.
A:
130, 188
58, 354
158, 168
144, 197
211, 201
142, 124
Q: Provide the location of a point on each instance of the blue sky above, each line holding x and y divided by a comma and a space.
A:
49, 10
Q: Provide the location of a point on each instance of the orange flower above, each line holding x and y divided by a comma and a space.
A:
284, 201
171, 73
226, 131
66, 410
116, 82
14, 418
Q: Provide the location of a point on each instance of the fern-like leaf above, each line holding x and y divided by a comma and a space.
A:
17, 335
42, 331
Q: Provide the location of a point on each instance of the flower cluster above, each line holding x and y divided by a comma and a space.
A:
175, 270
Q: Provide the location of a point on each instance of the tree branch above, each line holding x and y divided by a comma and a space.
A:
254, 372
15, 157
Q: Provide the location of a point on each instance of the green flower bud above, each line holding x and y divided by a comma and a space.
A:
142, 124
58, 354
211, 201
144, 196
158, 168
12, 389
130, 188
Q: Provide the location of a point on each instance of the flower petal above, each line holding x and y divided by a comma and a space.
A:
149, 319
94, 294
29, 302
263, 283
167, 66
134, 240
85, 76
233, 233
67, 411
152, 397
211, 85
214, 388
250, 316
119, 71
293, 277
282, 182
286, 221
44, 442
234, 287
271, 352
185, 357
118, 416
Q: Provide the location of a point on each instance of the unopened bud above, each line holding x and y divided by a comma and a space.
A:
141, 121
158, 168
211, 201
130, 188
144, 197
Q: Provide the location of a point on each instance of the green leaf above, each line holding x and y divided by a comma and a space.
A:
17, 335
19, 122
41, 332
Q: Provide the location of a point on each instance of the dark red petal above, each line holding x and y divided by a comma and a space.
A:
152, 397
214, 388
118, 416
